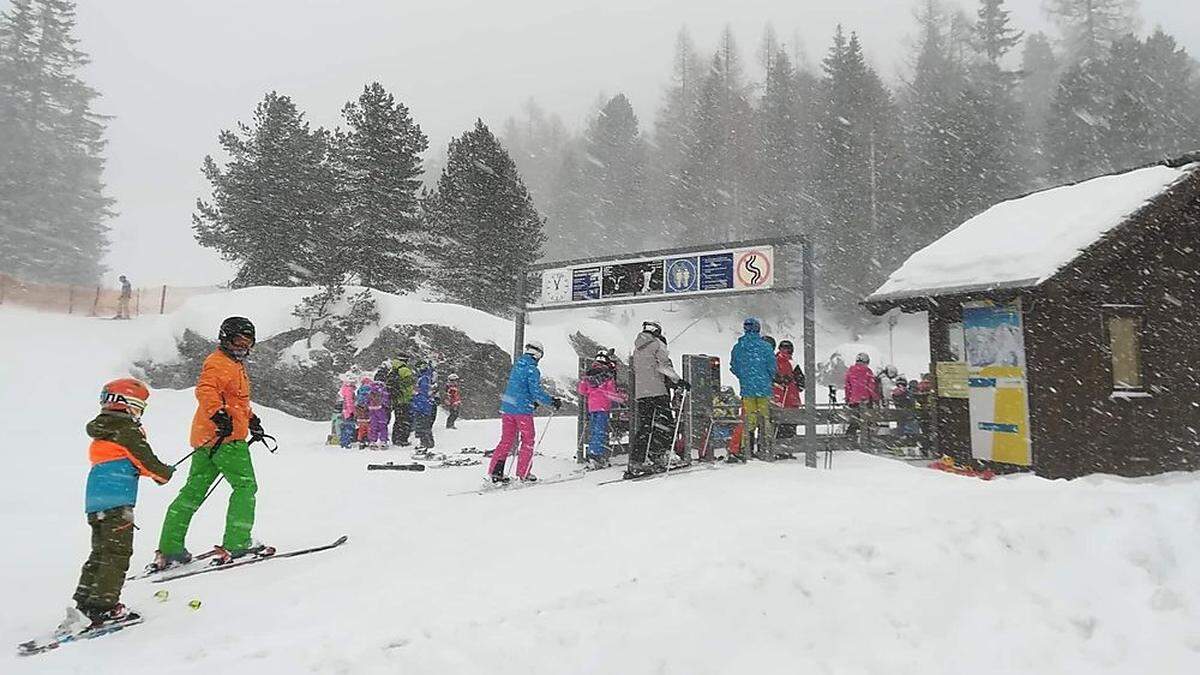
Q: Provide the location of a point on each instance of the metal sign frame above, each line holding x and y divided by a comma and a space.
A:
805, 287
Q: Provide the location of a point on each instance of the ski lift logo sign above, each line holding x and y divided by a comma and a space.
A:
704, 272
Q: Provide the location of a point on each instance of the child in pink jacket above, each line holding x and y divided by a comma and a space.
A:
599, 387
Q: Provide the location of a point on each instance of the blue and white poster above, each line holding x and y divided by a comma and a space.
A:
716, 272
585, 284
682, 275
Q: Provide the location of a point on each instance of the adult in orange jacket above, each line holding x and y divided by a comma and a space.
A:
222, 422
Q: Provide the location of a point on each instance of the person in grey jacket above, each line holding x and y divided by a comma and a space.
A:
652, 374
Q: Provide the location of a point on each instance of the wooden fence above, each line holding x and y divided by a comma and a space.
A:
95, 300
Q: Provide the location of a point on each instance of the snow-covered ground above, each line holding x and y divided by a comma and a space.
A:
873, 567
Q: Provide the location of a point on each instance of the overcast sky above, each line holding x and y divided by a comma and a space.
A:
173, 73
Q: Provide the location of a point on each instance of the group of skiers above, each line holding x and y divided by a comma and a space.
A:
403, 394
223, 428
865, 389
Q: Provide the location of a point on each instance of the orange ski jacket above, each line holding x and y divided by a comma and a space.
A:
224, 384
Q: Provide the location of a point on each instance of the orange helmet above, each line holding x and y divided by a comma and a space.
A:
126, 395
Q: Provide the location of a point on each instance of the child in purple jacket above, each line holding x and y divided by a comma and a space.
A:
379, 407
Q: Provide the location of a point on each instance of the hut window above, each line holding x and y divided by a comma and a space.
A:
1125, 348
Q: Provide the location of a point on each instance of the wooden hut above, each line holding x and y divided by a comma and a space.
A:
1064, 326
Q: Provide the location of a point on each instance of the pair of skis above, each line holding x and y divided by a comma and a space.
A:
202, 564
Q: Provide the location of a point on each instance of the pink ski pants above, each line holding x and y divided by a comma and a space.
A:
511, 425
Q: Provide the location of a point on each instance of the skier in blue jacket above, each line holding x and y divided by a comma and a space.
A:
523, 393
424, 406
753, 363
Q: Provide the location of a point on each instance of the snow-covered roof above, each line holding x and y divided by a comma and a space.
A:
1026, 241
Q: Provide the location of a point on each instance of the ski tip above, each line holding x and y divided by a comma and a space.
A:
341, 540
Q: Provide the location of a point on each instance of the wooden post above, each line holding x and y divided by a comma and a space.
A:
3, 288
162, 302
70, 300
96, 302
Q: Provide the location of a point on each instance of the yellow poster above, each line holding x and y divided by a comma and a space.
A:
952, 379
997, 384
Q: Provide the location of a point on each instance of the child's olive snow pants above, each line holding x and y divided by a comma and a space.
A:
231, 460
104, 572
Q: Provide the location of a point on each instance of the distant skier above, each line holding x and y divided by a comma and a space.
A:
220, 426
453, 400
753, 363
123, 300
652, 373
424, 405
379, 408
362, 412
599, 387
789, 381
400, 382
522, 394
348, 424
886, 382
861, 391
119, 454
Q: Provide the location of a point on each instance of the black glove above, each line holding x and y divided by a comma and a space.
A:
224, 423
556, 402
256, 429
683, 384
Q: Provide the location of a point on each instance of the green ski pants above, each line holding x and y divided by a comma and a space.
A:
231, 460
104, 572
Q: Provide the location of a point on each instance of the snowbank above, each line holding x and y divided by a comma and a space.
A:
873, 567
1025, 241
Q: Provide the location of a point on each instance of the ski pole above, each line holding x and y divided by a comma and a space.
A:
210, 446
675, 434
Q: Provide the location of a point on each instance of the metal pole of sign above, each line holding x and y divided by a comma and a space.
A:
519, 318
810, 355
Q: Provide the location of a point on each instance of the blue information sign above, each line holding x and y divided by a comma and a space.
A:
585, 284
716, 272
682, 275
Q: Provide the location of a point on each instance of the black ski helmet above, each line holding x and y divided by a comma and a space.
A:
786, 345
234, 326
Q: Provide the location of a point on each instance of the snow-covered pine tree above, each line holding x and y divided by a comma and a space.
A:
537, 141
380, 158
1089, 27
275, 204
491, 230
52, 203
615, 171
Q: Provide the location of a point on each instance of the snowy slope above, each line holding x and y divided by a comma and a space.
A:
874, 567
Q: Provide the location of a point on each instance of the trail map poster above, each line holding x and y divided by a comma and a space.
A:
997, 385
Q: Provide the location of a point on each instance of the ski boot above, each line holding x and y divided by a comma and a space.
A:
636, 471
735, 458
222, 555
597, 463
99, 618
75, 623
529, 478
164, 561
500, 479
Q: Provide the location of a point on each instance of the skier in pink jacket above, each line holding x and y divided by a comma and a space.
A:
599, 387
861, 390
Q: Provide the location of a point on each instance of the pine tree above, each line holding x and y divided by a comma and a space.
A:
537, 142
380, 157
1090, 27
491, 229
783, 175
855, 177
675, 133
275, 205
615, 171
994, 36
717, 194
52, 203
1039, 79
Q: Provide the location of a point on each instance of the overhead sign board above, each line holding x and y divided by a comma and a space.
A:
704, 272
